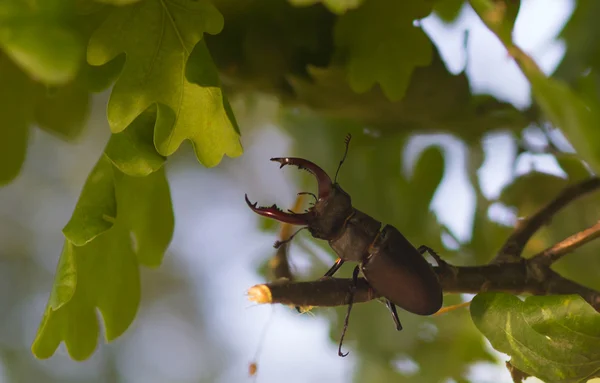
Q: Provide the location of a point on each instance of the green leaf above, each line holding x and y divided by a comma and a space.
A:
96, 209
555, 338
66, 278
576, 169
529, 192
145, 208
336, 6
132, 151
103, 273
16, 109
158, 37
579, 120
382, 44
448, 10
99, 78
63, 111
579, 33
499, 16
36, 35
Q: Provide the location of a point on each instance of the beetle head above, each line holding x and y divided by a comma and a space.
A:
326, 219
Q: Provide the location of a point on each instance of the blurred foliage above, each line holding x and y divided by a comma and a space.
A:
336, 66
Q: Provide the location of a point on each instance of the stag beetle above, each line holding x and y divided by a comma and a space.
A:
392, 266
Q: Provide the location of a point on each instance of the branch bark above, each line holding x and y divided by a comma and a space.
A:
556, 252
514, 278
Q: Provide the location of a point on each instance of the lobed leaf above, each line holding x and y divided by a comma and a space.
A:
103, 272
163, 68
435, 101
555, 338
145, 208
132, 151
383, 46
96, 210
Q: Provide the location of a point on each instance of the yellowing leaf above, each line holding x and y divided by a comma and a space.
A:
158, 37
382, 45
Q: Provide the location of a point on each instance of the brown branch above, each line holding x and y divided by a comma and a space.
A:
514, 245
514, 278
554, 253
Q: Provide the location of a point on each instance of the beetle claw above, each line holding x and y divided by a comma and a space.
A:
323, 180
275, 212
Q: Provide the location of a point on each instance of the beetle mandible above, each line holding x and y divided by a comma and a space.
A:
392, 266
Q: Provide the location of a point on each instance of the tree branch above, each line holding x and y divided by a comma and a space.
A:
514, 278
514, 245
556, 252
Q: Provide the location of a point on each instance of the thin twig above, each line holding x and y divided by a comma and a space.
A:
566, 246
514, 245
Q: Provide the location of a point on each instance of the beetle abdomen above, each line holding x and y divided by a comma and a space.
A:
397, 271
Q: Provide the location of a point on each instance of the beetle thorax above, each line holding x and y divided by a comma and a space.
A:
330, 214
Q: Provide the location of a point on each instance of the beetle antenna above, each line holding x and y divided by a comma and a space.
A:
350, 301
278, 244
347, 142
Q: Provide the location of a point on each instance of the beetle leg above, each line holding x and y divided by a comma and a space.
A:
350, 301
278, 244
276, 213
336, 266
392, 308
323, 180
